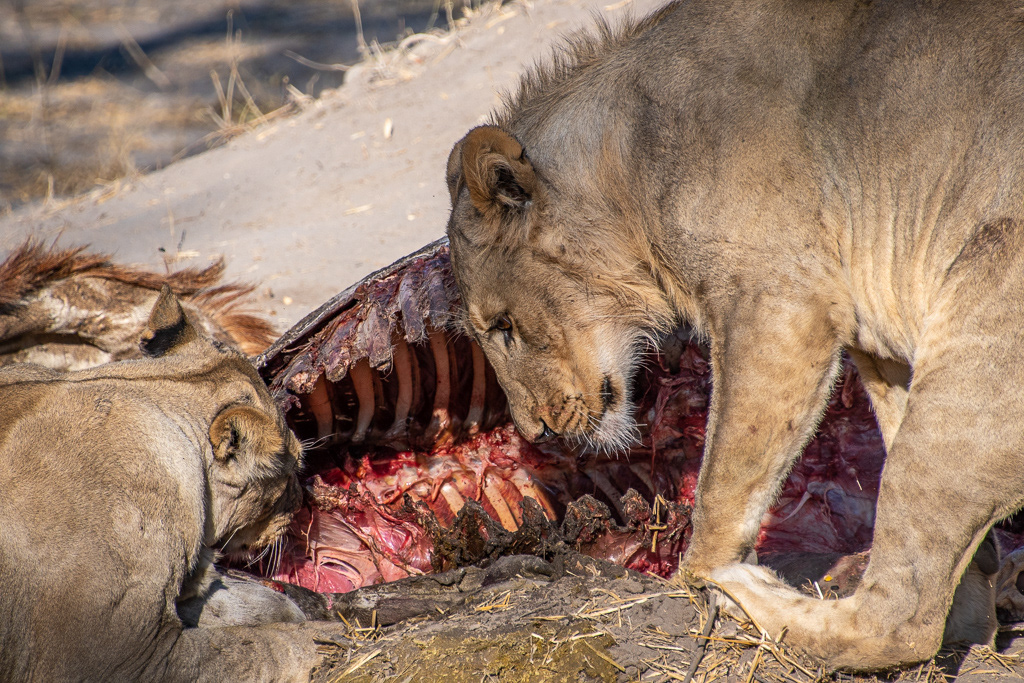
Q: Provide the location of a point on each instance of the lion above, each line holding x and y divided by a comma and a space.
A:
793, 180
120, 484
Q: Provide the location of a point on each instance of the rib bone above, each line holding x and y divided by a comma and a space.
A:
362, 380
320, 406
475, 417
440, 423
404, 374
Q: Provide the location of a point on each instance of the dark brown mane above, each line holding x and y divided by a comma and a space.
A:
32, 266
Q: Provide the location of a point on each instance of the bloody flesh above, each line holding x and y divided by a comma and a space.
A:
407, 423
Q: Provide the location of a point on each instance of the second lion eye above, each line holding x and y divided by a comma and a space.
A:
502, 323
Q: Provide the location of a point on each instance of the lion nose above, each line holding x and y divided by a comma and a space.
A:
545, 435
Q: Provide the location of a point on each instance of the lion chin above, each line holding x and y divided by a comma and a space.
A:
616, 431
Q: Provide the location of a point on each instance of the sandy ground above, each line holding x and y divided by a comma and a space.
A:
308, 204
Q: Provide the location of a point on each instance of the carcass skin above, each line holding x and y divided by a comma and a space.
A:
72, 309
405, 424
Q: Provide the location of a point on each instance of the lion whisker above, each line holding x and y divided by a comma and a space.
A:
278, 554
257, 558
314, 442
228, 539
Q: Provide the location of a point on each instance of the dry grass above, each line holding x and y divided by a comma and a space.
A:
65, 138
716, 648
401, 61
237, 111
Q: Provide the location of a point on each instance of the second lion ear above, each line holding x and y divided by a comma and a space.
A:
241, 430
493, 166
168, 327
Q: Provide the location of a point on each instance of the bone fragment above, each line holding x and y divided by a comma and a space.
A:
492, 491
451, 494
475, 417
527, 489
320, 406
362, 380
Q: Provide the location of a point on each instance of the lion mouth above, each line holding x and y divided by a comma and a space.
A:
260, 543
612, 428
584, 424
255, 539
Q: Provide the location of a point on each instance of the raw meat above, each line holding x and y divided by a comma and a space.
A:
405, 423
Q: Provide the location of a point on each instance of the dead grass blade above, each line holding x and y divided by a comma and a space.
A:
708, 625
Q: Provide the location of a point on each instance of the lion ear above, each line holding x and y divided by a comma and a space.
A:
453, 174
494, 167
168, 327
242, 429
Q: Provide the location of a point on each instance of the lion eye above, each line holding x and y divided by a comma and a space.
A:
502, 323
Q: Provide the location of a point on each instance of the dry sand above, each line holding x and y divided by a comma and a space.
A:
308, 204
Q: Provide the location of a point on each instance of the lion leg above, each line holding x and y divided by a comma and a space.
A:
887, 383
946, 481
233, 601
972, 617
771, 381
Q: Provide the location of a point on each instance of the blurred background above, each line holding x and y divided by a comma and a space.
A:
95, 90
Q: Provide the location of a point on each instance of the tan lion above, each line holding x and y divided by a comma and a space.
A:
116, 484
793, 179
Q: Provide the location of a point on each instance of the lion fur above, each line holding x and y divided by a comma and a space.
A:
794, 180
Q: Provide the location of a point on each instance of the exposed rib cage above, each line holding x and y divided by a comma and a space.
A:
409, 432
383, 362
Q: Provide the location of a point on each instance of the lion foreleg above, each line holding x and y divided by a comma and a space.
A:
946, 481
272, 652
843, 634
771, 381
860, 632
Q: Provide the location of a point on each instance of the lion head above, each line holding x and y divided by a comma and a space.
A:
252, 487
140, 471
252, 481
561, 305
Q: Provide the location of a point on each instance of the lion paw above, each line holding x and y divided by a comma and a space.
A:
747, 592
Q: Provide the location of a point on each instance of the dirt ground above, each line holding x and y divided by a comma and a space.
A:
307, 203
572, 618
310, 202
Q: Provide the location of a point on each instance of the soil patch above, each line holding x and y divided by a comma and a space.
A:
573, 618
